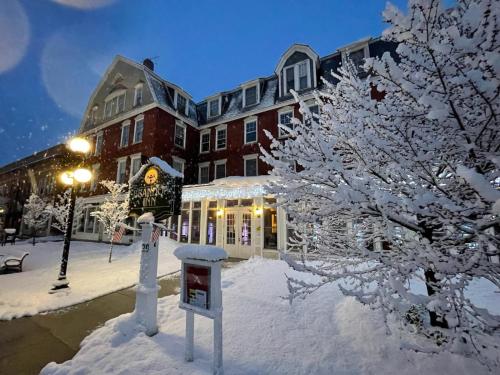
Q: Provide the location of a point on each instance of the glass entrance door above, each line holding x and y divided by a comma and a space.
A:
238, 239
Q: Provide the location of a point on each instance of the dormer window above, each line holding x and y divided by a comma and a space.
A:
356, 53
297, 76
213, 106
114, 104
251, 93
181, 104
138, 95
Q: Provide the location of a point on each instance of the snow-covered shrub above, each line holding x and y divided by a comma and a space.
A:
401, 191
35, 214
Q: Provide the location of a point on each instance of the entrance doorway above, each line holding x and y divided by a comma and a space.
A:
239, 233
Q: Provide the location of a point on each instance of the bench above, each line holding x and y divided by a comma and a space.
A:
12, 263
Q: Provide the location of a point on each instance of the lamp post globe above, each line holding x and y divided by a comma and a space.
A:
79, 145
82, 175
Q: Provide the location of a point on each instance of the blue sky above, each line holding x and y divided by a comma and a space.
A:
53, 51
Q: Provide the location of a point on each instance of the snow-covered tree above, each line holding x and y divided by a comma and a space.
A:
59, 210
403, 192
35, 214
114, 211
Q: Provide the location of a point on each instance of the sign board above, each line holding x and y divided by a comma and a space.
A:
156, 191
197, 285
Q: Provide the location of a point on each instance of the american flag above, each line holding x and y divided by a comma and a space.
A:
117, 236
155, 234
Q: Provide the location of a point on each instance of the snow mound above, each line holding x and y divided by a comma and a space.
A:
201, 252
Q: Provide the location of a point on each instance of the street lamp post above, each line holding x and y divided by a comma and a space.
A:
70, 178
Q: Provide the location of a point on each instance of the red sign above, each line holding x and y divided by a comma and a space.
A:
197, 285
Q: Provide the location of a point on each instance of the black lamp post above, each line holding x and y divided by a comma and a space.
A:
71, 178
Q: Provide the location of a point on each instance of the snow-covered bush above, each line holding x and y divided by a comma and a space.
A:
114, 210
59, 210
35, 214
404, 191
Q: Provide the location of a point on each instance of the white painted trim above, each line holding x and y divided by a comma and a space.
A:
97, 136
139, 86
136, 120
217, 129
249, 85
186, 109
246, 122
183, 126
132, 158
200, 166
289, 52
217, 163
202, 133
281, 111
355, 47
219, 98
251, 157
125, 124
118, 162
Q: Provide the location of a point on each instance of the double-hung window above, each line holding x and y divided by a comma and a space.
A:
251, 130
214, 107
125, 134
303, 75
289, 79
285, 119
138, 95
178, 164
138, 130
251, 96
114, 105
220, 168
221, 138
250, 165
98, 144
180, 134
135, 164
121, 171
297, 77
205, 141
181, 104
204, 173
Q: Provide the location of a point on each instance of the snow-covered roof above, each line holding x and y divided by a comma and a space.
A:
201, 252
163, 165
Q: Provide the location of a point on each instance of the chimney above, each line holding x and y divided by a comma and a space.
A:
148, 63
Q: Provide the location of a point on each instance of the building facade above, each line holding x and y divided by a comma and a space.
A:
135, 114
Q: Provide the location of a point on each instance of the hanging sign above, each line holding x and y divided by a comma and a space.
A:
155, 190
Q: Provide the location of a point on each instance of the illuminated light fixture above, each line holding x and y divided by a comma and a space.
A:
220, 212
66, 178
2, 210
82, 175
80, 145
258, 211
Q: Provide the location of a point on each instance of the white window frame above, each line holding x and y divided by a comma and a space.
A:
217, 129
95, 175
180, 161
136, 120
132, 159
296, 77
124, 125
281, 111
118, 162
202, 133
246, 122
209, 100
200, 166
217, 163
112, 97
98, 136
355, 47
248, 85
251, 157
139, 87
186, 110
183, 126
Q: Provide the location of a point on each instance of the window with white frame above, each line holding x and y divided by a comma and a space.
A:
220, 168
213, 107
297, 77
250, 164
251, 130
285, 119
205, 141
250, 95
138, 94
204, 173
181, 104
114, 105
99, 138
180, 134
125, 134
138, 129
221, 138
95, 177
314, 113
302, 68
121, 171
178, 164
135, 164
356, 54
93, 115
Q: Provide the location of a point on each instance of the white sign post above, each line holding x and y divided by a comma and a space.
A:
201, 293
147, 290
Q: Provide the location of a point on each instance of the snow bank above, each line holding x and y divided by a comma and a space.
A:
202, 252
324, 334
89, 274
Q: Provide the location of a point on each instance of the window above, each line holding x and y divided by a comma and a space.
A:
357, 59
289, 79
251, 130
205, 141
195, 222
125, 134
314, 109
211, 231
250, 165
93, 115
135, 164
204, 173
180, 134
114, 105
285, 118
98, 144
121, 170
356, 53
297, 77
220, 168
303, 75
250, 96
221, 138
138, 95
214, 107
89, 220
181, 104
178, 164
95, 177
138, 130
270, 224
174, 223
184, 235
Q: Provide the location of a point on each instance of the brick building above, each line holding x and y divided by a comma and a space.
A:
134, 114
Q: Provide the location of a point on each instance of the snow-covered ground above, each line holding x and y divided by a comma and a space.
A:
326, 333
89, 273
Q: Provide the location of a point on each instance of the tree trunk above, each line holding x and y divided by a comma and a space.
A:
110, 251
34, 235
